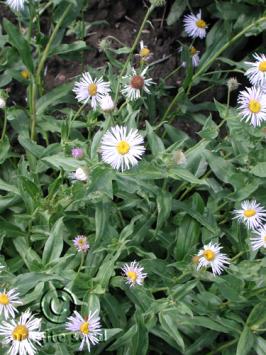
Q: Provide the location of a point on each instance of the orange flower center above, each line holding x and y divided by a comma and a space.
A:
92, 89
132, 275
4, 299
201, 24
262, 66
20, 332
254, 106
123, 147
209, 255
249, 213
137, 82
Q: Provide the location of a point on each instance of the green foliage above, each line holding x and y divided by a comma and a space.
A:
160, 212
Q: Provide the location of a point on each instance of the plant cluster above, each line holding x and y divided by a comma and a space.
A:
158, 235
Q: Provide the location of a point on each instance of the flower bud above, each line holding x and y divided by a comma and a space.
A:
81, 174
77, 153
232, 84
2, 103
107, 103
179, 157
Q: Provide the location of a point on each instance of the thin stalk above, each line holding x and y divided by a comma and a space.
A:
150, 9
33, 109
48, 46
4, 126
173, 72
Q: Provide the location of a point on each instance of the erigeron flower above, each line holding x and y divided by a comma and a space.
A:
22, 334
107, 104
2, 103
122, 148
81, 243
259, 239
251, 213
134, 273
135, 84
211, 256
195, 26
257, 70
194, 53
8, 301
145, 54
89, 328
77, 153
91, 90
252, 106
16, 5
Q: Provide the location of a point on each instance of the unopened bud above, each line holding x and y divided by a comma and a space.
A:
77, 153
107, 104
179, 157
2, 103
232, 84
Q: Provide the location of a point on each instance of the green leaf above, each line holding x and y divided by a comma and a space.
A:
54, 244
155, 143
68, 48
259, 170
20, 44
59, 161
169, 325
245, 342
176, 11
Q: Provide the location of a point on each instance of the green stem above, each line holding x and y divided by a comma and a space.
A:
4, 126
48, 46
33, 109
150, 9
173, 72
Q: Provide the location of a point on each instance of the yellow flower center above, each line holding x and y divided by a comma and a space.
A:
84, 328
209, 255
262, 66
132, 275
193, 50
20, 332
144, 52
254, 106
123, 147
249, 213
264, 238
201, 24
4, 298
92, 89
25, 74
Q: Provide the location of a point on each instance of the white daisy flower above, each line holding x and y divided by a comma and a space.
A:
107, 104
89, 328
257, 70
134, 273
145, 54
81, 243
211, 256
135, 83
81, 174
259, 240
251, 213
120, 148
8, 300
16, 5
91, 90
252, 106
22, 334
195, 26
194, 56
